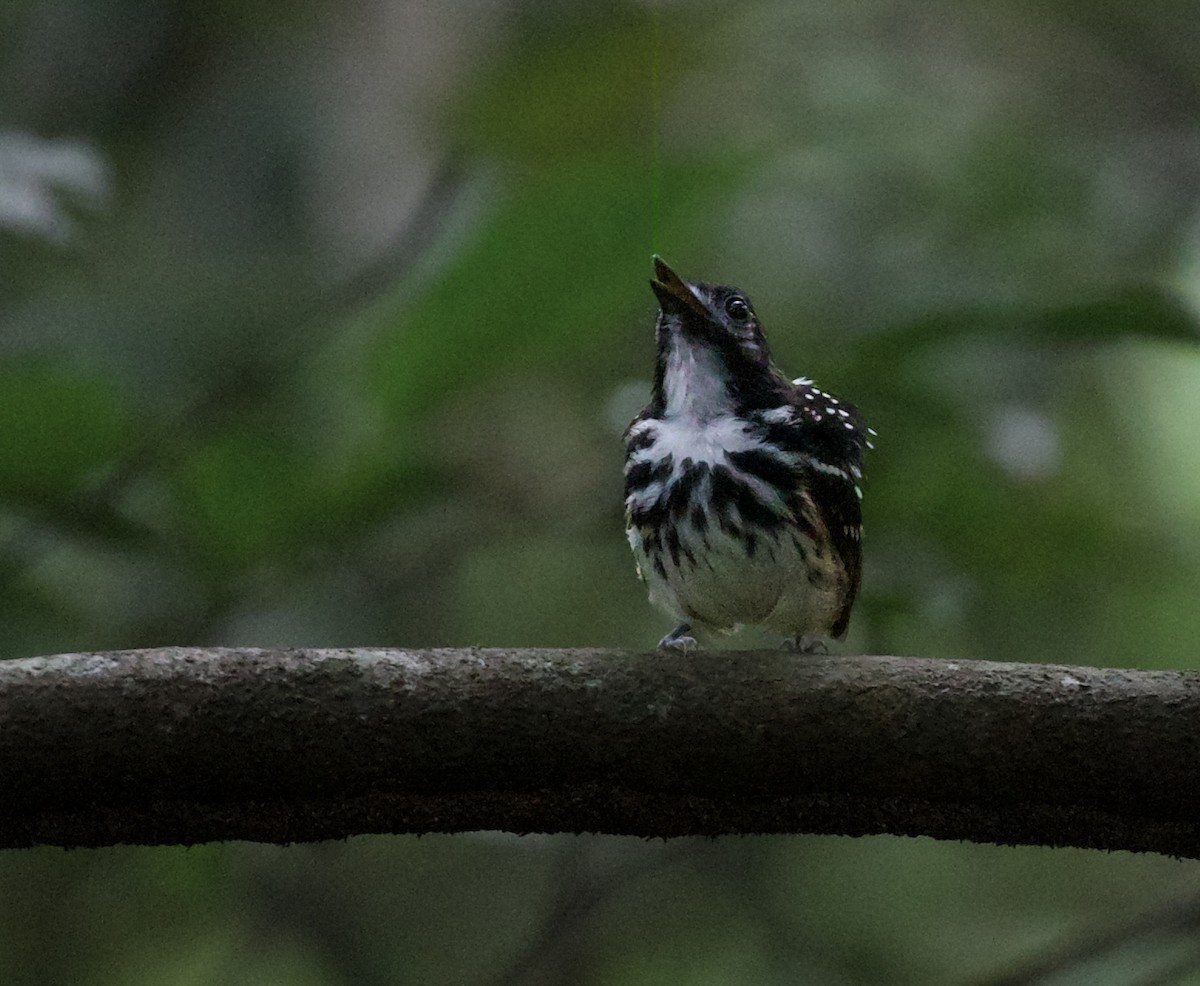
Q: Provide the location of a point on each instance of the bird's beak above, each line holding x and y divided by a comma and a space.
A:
673, 292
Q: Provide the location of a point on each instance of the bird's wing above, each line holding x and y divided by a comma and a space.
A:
827, 438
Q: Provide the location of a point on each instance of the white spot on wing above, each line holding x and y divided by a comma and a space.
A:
814, 463
777, 415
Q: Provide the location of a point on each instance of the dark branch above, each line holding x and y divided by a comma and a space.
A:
184, 745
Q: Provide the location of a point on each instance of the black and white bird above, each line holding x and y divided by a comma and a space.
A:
741, 486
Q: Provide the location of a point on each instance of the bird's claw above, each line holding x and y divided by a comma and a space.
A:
678, 640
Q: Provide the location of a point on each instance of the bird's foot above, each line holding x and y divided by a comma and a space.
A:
679, 640
800, 644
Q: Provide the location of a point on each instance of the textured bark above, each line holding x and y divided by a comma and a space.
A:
182, 745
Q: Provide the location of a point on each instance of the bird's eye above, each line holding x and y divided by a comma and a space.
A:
737, 309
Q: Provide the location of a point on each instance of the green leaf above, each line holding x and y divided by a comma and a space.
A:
566, 256
57, 425
243, 495
1137, 309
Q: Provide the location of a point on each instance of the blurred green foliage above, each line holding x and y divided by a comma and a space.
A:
59, 426
265, 378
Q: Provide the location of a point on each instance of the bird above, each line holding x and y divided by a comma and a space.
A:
742, 486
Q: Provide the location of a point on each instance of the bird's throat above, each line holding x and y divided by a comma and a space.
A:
695, 381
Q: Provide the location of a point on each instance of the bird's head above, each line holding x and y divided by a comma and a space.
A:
711, 348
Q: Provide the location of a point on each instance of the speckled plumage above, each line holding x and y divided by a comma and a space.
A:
741, 486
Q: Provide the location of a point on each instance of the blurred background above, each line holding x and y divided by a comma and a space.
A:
320, 323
